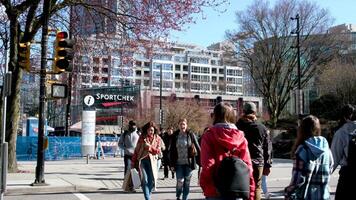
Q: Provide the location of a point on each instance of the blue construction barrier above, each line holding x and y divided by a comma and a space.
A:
59, 148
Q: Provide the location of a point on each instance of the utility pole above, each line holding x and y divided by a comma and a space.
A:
41, 120
300, 102
69, 95
5, 91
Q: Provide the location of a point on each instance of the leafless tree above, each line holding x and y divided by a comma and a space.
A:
265, 46
339, 79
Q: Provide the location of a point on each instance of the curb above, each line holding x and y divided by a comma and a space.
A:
30, 190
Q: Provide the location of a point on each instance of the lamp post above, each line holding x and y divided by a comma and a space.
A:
299, 91
160, 97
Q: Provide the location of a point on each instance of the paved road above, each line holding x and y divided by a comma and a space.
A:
102, 180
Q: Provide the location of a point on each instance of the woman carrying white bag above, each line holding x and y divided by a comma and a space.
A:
144, 159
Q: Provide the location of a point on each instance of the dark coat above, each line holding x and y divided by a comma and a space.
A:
259, 142
173, 153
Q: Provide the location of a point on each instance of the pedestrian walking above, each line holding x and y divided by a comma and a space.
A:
145, 157
340, 148
215, 140
167, 138
259, 144
127, 142
184, 147
312, 163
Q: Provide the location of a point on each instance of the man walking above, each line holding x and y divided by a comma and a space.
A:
340, 150
259, 144
128, 142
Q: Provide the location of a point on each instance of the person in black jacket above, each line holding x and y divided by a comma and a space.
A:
259, 144
167, 137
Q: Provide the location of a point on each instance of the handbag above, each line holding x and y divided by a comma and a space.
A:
136, 181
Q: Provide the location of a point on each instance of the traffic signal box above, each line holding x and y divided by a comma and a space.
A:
63, 55
24, 55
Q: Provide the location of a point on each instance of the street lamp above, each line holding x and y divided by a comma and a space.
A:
299, 91
160, 98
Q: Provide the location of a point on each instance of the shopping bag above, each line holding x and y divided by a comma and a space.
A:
136, 181
127, 184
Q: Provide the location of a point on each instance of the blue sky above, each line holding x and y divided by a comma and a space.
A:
212, 28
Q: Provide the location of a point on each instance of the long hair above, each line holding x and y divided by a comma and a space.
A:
149, 125
309, 127
224, 112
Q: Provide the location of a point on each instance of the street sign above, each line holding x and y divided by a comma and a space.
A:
59, 90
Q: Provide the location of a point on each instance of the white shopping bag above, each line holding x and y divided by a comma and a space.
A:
136, 181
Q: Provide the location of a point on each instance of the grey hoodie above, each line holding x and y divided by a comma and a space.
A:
128, 142
340, 143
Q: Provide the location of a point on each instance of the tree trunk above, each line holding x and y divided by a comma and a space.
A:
13, 105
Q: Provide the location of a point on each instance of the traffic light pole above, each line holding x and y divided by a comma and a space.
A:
41, 120
300, 102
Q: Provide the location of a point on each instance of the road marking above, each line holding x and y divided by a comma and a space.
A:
81, 196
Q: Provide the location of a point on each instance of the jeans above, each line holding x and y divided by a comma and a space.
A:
257, 176
264, 184
147, 178
183, 174
127, 162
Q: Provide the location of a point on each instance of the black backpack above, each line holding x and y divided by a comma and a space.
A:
233, 177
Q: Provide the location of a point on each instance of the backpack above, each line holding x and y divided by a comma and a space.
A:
233, 177
351, 154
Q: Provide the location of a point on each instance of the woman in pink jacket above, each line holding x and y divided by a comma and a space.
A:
221, 136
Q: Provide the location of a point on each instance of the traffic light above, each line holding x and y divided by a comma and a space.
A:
63, 53
24, 55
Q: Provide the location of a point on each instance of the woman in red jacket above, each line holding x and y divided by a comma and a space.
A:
221, 136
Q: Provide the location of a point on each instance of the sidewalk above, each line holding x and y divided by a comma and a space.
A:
107, 175
77, 176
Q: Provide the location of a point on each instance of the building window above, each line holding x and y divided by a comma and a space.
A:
214, 78
177, 67
177, 85
185, 68
213, 70
106, 61
233, 72
96, 60
185, 76
138, 63
157, 65
146, 82
137, 82
146, 73
214, 87
138, 72
96, 70
221, 71
104, 80
147, 64
181, 59
105, 70
168, 67
221, 78
177, 76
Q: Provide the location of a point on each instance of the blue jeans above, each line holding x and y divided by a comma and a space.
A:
264, 184
127, 162
183, 174
147, 178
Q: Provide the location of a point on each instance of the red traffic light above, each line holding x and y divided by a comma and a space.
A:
62, 35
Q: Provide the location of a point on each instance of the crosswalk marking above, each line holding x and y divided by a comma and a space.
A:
81, 196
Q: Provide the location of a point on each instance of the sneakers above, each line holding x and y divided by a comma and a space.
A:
267, 195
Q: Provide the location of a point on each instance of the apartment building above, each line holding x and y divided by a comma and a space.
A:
188, 71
